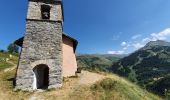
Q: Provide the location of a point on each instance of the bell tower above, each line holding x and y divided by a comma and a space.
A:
51, 10
40, 63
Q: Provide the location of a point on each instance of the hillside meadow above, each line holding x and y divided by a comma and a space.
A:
86, 85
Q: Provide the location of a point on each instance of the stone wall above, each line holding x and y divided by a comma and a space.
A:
34, 11
42, 45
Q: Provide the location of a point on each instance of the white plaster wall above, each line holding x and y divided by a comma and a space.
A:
69, 58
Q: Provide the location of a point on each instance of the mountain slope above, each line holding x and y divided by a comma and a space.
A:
97, 62
148, 67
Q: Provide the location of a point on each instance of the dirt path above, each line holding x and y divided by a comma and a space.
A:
88, 78
70, 85
11, 68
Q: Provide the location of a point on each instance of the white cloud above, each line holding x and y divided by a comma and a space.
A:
116, 52
146, 40
137, 42
137, 45
161, 35
155, 37
136, 36
164, 33
123, 44
125, 48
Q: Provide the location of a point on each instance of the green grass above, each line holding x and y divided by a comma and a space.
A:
4, 55
109, 89
11, 60
113, 87
4, 65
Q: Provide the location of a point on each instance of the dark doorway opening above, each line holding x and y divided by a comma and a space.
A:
41, 76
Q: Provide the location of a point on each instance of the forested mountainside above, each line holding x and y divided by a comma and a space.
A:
149, 67
97, 62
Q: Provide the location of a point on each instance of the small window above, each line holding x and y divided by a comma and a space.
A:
45, 12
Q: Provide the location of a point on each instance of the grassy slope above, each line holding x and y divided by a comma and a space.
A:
71, 90
122, 90
116, 89
6, 84
7, 61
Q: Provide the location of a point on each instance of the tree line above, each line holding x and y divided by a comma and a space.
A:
12, 48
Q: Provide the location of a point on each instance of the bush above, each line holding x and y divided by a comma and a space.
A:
2, 51
107, 84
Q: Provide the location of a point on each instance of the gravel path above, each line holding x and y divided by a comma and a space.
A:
71, 84
89, 78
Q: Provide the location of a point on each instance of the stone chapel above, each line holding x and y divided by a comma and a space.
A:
47, 54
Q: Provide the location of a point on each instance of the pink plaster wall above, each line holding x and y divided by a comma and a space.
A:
69, 58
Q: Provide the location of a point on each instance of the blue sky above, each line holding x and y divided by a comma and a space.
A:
100, 26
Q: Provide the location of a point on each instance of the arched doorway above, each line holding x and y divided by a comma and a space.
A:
41, 77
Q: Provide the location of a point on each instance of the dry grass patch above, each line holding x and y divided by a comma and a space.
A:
6, 88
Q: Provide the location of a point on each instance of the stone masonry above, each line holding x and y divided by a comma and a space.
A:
34, 11
42, 45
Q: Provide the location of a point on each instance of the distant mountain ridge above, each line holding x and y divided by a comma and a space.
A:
148, 66
156, 43
105, 55
98, 62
